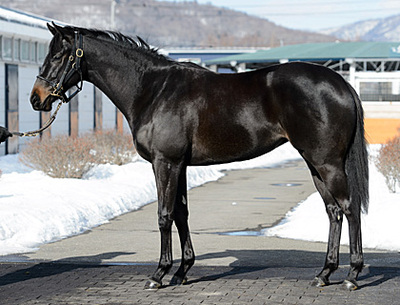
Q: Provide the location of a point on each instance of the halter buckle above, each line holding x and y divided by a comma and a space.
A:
79, 52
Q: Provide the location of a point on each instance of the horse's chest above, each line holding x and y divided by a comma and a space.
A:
161, 137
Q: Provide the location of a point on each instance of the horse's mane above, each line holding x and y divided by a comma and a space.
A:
121, 39
129, 42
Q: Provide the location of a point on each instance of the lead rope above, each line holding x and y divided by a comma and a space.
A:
44, 127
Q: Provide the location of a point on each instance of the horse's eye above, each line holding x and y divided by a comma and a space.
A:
58, 56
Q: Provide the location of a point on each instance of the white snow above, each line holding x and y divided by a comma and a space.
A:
36, 209
380, 227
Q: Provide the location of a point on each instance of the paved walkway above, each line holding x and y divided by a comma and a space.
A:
111, 263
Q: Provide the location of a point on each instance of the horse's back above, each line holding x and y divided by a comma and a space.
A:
248, 114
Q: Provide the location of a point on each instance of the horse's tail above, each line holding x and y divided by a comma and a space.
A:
357, 160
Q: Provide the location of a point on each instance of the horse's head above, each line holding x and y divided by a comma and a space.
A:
61, 69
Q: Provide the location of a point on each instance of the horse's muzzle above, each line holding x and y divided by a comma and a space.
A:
38, 104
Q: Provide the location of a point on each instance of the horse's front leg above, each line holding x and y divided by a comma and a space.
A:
167, 175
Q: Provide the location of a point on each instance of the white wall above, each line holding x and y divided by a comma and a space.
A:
127, 129
2, 103
109, 113
109, 116
28, 118
26, 31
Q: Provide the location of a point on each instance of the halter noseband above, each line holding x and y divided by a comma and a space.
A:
73, 66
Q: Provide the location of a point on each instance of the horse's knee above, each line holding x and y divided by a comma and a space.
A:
165, 221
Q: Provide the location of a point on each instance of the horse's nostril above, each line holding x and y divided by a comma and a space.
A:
35, 100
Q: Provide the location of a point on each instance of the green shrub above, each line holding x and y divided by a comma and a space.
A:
65, 157
388, 162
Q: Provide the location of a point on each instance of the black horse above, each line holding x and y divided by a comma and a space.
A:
181, 114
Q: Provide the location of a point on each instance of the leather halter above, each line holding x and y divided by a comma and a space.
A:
73, 66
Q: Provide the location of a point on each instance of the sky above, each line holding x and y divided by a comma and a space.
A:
311, 15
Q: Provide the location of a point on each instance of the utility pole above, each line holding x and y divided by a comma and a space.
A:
113, 4
118, 115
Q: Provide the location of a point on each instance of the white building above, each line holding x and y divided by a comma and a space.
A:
24, 40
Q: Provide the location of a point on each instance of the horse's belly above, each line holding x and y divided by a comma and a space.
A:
216, 150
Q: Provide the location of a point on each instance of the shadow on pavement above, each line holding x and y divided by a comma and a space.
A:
378, 275
295, 264
249, 264
46, 269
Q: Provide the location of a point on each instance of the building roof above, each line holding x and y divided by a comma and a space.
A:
20, 17
317, 52
23, 25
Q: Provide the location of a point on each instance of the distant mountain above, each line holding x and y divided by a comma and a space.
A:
171, 24
385, 29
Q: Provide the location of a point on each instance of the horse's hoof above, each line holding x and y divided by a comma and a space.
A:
152, 285
349, 285
318, 282
176, 281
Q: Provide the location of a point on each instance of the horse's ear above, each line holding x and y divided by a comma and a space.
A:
51, 28
54, 28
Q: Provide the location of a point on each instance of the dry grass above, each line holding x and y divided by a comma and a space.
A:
66, 157
388, 162
112, 147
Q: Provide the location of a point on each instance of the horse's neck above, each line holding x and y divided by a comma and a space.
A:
119, 76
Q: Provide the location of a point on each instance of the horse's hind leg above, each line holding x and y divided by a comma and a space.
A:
335, 228
356, 254
181, 214
331, 182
